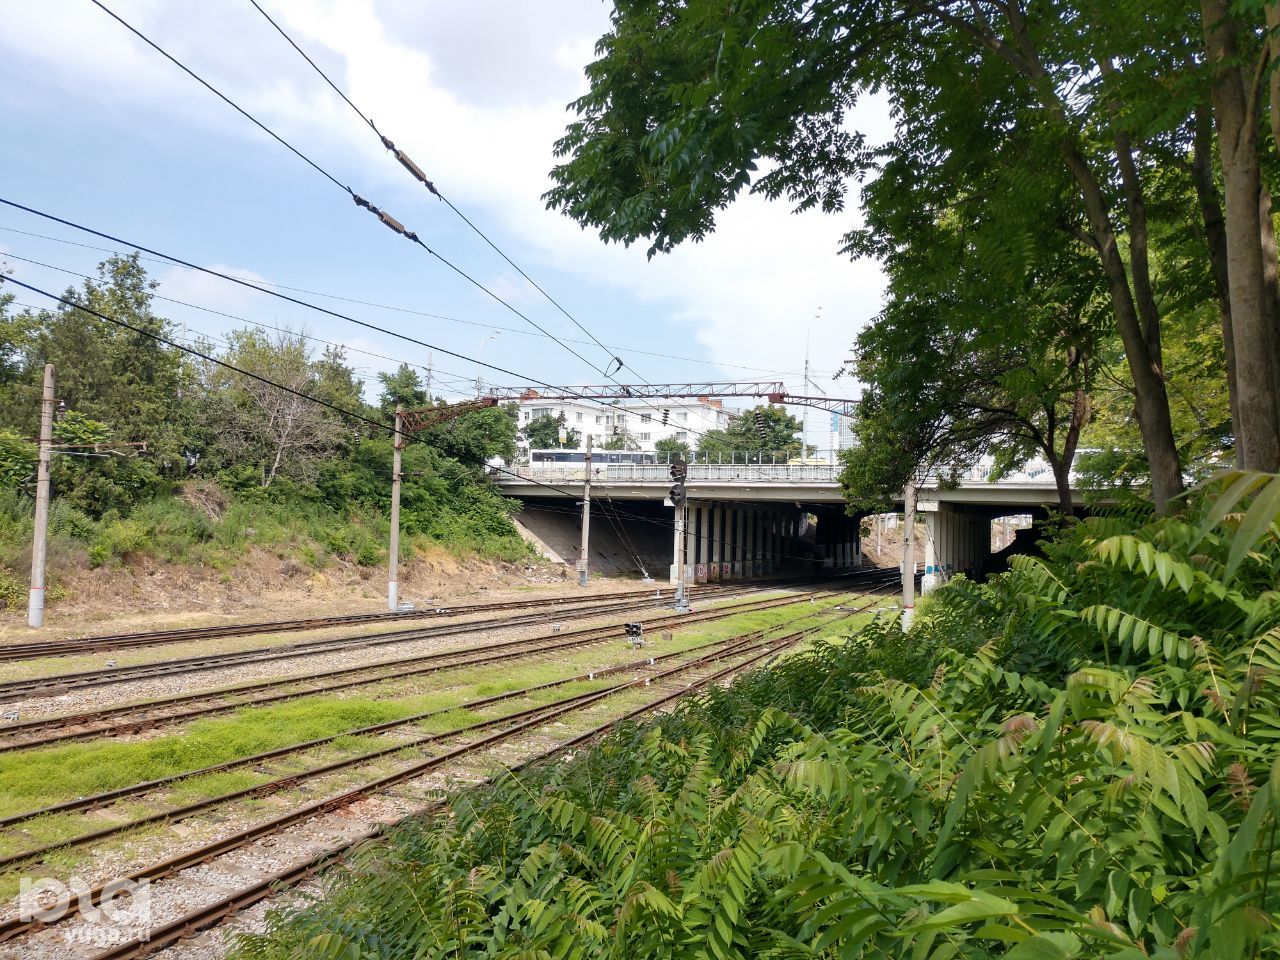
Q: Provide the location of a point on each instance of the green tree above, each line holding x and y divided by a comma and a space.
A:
672, 448
17, 461
761, 432
126, 380
271, 431
1070, 103
478, 436
543, 433
980, 348
403, 388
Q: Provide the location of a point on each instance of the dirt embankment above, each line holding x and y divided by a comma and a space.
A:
142, 593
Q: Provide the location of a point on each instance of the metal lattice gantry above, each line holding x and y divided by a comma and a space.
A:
773, 390
415, 421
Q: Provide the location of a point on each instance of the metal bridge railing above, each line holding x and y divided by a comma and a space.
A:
661, 473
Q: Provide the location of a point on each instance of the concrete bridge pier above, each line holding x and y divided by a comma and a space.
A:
836, 541
729, 541
956, 540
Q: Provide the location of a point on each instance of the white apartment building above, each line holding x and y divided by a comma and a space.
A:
640, 421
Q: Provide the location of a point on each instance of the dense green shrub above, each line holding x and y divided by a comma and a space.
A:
1078, 760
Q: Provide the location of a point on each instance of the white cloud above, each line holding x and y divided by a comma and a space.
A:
192, 286
475, 93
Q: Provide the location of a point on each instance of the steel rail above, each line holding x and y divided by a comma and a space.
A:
726, 648
110, 796
62, 683
13, 927
406, 667
80, 645
400, 668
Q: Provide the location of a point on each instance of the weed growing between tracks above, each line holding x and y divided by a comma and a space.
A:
38, 778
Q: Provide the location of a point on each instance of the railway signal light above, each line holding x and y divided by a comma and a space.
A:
677, 495
635, 634
679, 470
762, 429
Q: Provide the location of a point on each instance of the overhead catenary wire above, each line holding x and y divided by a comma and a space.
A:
386, 218
450, 377
306, 304
416, 172
794, 375
382, 215
342, 411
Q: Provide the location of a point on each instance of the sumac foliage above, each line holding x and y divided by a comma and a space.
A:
1087, 768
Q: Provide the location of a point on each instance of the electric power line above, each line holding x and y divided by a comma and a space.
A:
450, 377
795, 375
382, 215
349, 414
310, 306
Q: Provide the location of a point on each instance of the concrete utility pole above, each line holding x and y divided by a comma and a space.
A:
393, 558
40, 537
586, 516
680, 500
908, 554
410, 423
682, 567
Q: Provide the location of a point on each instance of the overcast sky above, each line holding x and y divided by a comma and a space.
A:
100, 129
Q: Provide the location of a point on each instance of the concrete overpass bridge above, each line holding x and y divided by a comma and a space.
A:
753, 519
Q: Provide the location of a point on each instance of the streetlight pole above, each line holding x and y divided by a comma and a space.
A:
40, 536
393, 558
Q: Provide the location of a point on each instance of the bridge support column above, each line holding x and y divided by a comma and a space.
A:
753, 542
739, 539
730, 542
715, 541
955, 541
726, 543
704, 541
691, 544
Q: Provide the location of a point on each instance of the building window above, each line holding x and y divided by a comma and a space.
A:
646, 418
682, 417
681, 435
526, 416
599, 419
643, 436
578, 417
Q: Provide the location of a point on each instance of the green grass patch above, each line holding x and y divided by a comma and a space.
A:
39, 778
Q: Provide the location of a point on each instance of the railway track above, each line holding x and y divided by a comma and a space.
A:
133, 718
293, 778
105, 798
745, 650
71, 646
57, 684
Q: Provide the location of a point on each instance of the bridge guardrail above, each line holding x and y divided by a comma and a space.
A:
660, 473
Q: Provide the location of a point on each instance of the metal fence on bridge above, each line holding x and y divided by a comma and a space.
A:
661, 473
